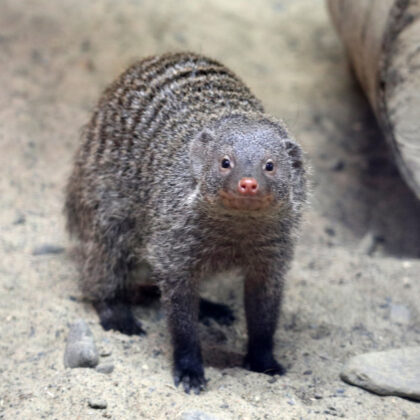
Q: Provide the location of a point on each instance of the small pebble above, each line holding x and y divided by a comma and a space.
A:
330, 231
105, 368
19, 220
105, 352
45, 249
156, 353
97, 404
320, 332
406, 264
80, 349
197, 415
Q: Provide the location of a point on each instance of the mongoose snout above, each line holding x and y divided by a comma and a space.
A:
248, 186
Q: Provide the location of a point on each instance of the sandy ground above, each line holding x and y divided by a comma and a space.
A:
357, 260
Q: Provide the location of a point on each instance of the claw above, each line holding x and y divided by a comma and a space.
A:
194, 381
186, 384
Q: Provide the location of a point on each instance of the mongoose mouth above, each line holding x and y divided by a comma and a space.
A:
236, 202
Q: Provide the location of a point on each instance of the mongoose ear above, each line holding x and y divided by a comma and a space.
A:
199, 148
298, 190
295, 153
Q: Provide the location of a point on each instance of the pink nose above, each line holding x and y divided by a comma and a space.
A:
248, 186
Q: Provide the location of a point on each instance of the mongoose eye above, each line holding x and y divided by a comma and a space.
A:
226, 164
269, 166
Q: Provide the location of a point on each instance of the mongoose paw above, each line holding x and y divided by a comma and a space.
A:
264, 364
221, 313
192, 378
119, 317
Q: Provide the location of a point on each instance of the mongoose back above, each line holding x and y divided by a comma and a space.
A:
180, 168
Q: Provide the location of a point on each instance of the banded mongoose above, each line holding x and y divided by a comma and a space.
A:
181, 168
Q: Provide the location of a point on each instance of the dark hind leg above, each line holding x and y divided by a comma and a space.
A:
116, 315
146, 293
105, 265
221, 313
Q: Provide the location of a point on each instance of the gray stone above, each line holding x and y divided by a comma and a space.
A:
392, 372
399, 314
196, 415
47, 249
105, 368
97, 403
80, 349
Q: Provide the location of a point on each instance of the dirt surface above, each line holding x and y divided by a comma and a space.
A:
356, 266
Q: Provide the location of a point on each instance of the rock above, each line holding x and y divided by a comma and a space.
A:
392, 372
97, 403
399, 314
196, 415
80, 349
47, 249
105, 368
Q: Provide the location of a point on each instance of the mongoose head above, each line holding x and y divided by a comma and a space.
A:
247, 165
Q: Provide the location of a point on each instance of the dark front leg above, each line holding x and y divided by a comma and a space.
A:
182, 303
262, 304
